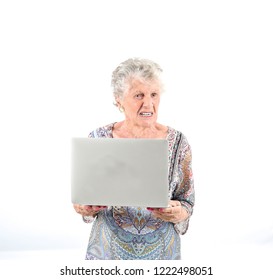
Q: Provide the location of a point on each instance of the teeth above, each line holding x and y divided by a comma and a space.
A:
146, 114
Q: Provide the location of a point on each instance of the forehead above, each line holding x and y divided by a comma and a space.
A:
135, 85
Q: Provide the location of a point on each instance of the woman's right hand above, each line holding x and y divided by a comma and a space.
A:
88, 210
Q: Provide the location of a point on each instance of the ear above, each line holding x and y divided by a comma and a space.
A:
118, 101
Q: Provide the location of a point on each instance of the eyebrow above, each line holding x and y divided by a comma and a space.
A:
139, 91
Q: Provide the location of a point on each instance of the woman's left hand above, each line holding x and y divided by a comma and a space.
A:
174, 213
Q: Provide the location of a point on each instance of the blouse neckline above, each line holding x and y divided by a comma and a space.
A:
111, 126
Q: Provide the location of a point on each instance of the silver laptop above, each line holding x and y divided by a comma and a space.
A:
119, 172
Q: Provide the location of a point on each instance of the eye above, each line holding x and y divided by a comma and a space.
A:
139, 96
154, 94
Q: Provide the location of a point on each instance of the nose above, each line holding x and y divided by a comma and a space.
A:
147, 102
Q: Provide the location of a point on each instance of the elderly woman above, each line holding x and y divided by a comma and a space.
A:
135, 232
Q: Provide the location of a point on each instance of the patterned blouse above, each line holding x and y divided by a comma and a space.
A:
127, 233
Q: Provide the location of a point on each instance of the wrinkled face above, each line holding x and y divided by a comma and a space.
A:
141, 102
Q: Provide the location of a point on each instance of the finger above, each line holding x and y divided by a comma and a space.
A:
165, 216
76, 206
82, 209
87, 208
170, 210
153, 208
175, 209
162, 211
174, 203
78, 209
98, 208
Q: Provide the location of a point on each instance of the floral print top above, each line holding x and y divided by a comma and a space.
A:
132, 232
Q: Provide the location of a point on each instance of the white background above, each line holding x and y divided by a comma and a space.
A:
56, 60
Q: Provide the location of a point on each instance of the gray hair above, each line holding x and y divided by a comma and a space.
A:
134, 68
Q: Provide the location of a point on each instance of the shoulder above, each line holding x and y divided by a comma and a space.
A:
102, 132
177, 135
179, 141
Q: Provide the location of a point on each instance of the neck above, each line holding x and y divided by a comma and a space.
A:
132, 130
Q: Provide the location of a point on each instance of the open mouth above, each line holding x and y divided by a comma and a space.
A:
146, 114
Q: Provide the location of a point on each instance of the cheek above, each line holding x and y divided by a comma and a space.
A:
132, 108
156, 104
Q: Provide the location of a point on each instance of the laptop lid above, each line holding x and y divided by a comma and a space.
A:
119, 172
